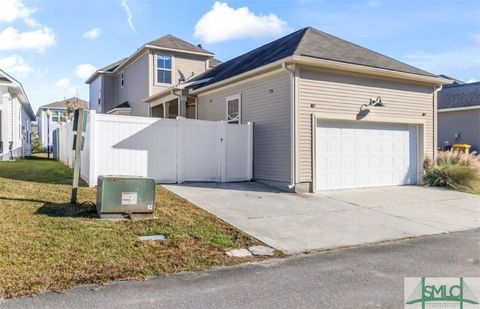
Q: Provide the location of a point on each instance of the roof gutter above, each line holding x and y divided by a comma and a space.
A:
459, 109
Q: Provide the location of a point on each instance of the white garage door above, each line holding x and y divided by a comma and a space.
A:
356, 155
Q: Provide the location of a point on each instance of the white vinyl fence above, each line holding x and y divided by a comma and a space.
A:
168, 150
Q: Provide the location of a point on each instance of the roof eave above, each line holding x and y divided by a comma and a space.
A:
95, 75
179, 50
159, 95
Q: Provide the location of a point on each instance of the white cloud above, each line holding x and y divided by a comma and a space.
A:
66, 87
39, 39
224, 23
85, 70
11, 10
92, 33
125, 6
16, 66
472, 80
63, 83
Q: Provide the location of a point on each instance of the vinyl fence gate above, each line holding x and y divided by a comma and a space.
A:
167, 150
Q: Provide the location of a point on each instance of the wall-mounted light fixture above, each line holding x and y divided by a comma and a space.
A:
377, 102
364, 109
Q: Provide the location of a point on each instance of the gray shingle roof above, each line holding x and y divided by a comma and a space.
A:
459, 95
455, 81
172, 42
63, 103
307, 42
111, 67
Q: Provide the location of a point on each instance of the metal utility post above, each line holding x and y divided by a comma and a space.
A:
78, 127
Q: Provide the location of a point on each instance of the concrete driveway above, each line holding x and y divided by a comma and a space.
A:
296, 223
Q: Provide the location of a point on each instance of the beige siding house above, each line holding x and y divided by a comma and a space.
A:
327, 113
121, 87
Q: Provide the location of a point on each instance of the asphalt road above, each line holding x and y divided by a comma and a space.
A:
366, 277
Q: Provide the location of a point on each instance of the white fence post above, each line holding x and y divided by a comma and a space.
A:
223, 150
180, 148
92, 175
250, 151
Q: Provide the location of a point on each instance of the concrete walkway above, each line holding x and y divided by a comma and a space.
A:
296, 223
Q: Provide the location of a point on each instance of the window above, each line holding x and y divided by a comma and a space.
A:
99, 96
234, 109
122, 80
164, 69
57, 116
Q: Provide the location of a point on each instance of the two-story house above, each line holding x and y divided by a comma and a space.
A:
121, 87
53, 115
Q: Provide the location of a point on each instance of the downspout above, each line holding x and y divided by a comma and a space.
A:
436, 89
179, 101
293, 113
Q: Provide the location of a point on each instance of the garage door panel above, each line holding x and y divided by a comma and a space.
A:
352, 154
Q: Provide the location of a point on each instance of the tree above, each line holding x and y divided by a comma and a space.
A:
71, 107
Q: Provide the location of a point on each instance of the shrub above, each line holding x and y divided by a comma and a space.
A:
37, 146
454, 169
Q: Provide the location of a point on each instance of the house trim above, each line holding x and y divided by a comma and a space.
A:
459, 109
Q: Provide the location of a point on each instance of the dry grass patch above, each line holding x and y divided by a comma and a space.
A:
44, 245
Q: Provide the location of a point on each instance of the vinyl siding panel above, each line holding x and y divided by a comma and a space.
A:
186, 63
108, 91
270, 113
466, 123
339, 96
135, 89
95, 86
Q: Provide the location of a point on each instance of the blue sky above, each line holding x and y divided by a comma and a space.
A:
51, 45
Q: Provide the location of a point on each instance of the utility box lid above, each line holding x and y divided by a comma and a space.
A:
121, 196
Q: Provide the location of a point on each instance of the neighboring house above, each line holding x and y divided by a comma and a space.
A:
459, 115
121, 87
327, 113
58, 115
16, 116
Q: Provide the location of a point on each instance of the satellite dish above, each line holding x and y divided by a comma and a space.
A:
182, 77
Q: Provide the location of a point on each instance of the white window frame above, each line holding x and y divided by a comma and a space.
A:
122, 79
157, 68
231, 98
56, 114
99, 96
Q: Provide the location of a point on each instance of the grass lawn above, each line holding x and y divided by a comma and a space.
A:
44, 245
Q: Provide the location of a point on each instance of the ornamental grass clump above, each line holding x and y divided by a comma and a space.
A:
455, 169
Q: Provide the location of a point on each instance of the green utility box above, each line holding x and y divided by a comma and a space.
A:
125, 196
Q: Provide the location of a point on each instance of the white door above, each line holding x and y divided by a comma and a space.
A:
356, 155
